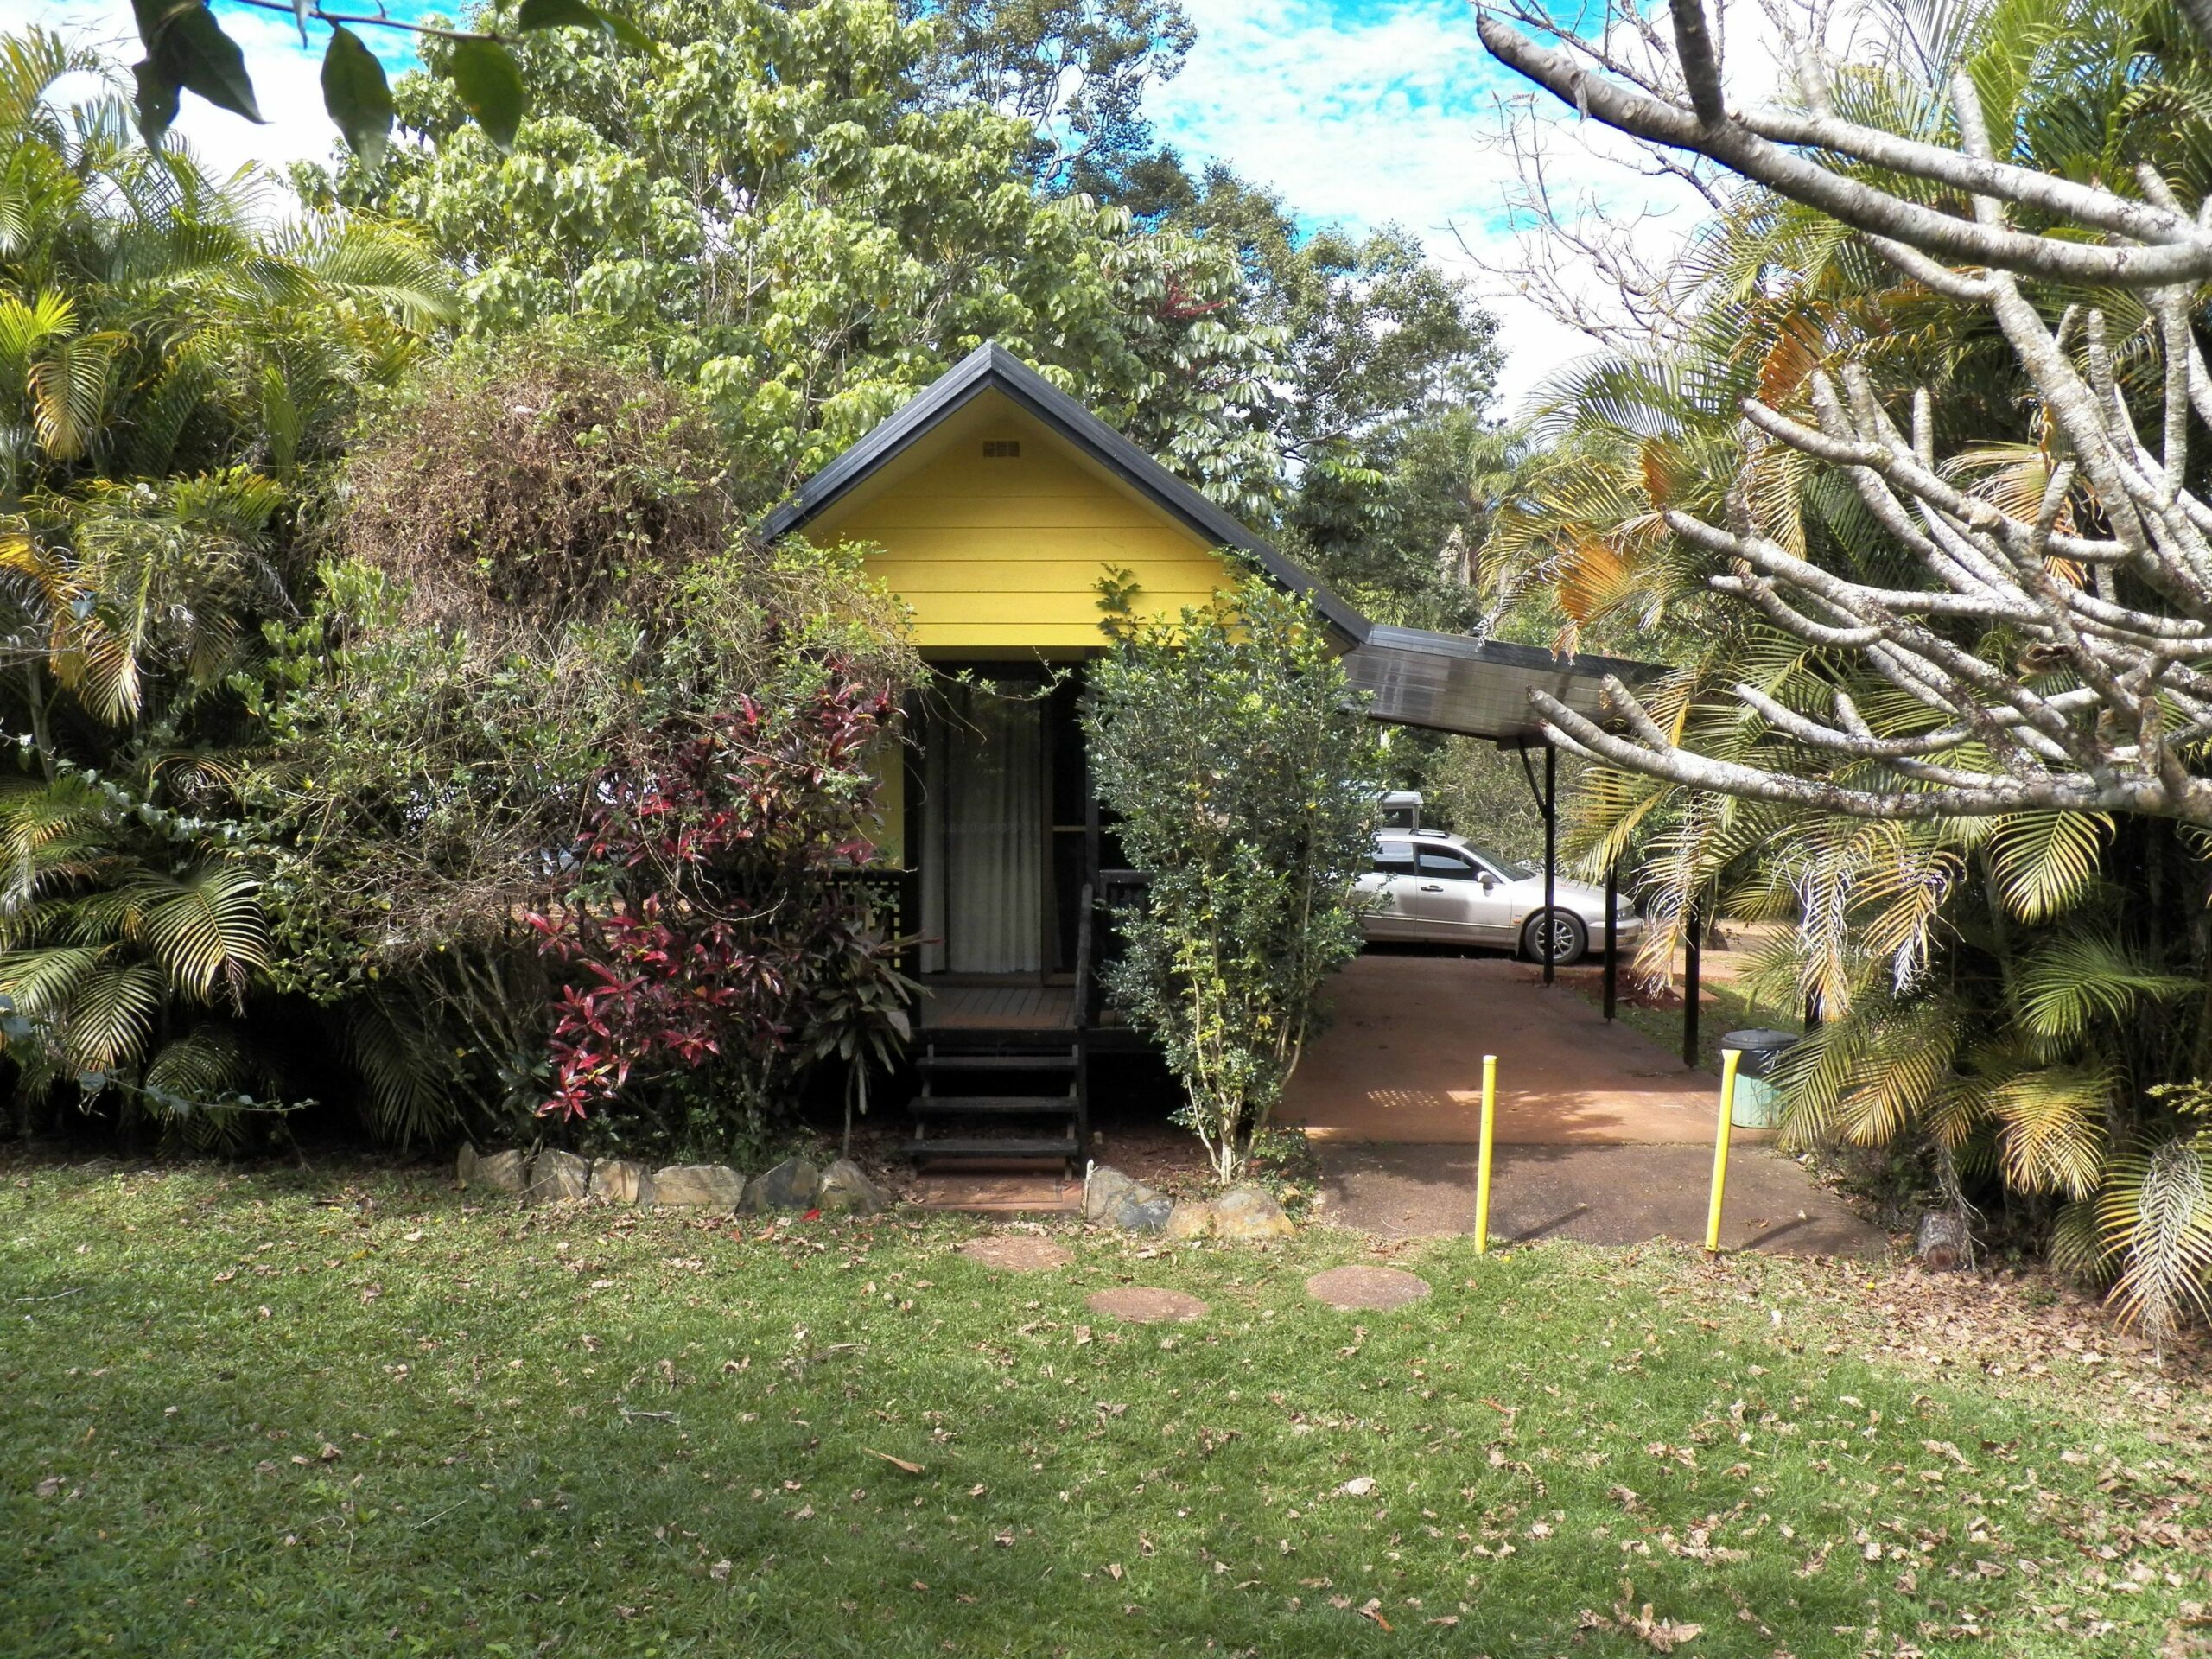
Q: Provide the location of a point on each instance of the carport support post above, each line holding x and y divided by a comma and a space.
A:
1551, 854
1612, 933
1691, 948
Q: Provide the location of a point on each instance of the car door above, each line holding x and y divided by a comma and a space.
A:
1446, 901
1490, 908
1385, 889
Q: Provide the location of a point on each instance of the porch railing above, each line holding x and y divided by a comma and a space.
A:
1086, 977
895, 898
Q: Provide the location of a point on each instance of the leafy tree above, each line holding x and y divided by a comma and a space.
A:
1245, 784
173, 383
1386, 366
1078, 70
790, 218
186, 51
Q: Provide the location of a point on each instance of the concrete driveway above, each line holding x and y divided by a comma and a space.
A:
1603, 1135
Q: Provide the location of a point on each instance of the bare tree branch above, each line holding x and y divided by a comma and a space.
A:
2179, 255
2053, 670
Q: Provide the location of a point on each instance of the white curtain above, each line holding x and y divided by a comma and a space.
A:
993, 804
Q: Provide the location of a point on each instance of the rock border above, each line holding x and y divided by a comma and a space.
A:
1113, 1199
550, 1175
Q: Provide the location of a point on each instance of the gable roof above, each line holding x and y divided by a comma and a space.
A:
1414, 677
991, 367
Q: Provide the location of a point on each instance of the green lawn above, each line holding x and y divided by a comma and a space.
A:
291, 1414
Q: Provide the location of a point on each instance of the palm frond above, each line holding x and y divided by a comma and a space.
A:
205, 927
408, 1080
111, 1015
2078, 1247
191, 1072
2064, 984
2155, 1212
2044, 860
2051, 1136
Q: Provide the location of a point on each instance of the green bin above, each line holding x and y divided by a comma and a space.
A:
1759, 1102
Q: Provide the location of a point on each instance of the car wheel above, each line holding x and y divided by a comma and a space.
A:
1559, 934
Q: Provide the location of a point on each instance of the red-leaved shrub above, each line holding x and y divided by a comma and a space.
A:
706, 909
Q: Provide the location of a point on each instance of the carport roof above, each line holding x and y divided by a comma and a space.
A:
1454, 682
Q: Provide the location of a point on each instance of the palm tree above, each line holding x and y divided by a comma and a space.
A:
173, 373
2006, 992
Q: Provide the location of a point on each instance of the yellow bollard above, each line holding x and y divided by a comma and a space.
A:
1728, 1064
1482, 1162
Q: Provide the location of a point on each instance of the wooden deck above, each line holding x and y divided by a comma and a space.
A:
997, 1007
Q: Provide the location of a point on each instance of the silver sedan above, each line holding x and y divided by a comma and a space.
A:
1431, 887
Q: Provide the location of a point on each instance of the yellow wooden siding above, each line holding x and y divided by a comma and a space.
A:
1008, 552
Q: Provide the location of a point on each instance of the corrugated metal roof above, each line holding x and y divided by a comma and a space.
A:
1452, 683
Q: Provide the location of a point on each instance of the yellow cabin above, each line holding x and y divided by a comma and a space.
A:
997, 504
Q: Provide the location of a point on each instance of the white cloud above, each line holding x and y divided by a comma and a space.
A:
284, 80
1370, 113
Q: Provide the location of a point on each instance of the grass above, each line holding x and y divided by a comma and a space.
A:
354, 1414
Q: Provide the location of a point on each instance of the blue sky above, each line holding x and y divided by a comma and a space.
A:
1359, 113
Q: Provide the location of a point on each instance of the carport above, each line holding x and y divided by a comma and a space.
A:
1480, 688
1602, 1134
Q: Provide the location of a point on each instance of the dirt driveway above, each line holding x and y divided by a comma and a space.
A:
1402, 1060
1603, 1135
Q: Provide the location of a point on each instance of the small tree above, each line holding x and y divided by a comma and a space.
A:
1227, 744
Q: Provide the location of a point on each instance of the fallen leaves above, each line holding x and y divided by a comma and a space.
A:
1660, 1634
896, 1463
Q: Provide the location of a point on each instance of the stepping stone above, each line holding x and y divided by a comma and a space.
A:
1366, 1287
1016, 1253
1138, 1305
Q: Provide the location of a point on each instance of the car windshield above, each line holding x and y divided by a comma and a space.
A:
1513, 869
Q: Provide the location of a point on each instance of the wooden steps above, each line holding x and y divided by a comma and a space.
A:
976, 1189
987, 1105
983, 1097
994, 1147
931, 1063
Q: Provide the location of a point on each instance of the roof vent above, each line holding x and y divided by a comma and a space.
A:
1001, 449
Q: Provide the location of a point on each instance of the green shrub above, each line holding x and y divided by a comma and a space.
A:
541, 586
1244, 782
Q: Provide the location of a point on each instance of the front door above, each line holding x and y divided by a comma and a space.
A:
983, 832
